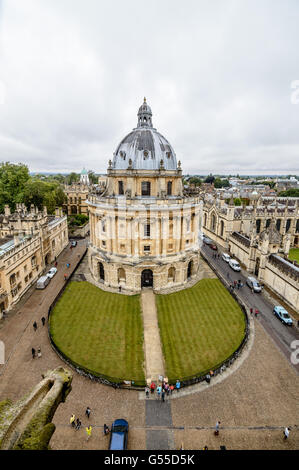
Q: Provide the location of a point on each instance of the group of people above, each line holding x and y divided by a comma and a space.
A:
236, 285
76, 424
216, 255
37, 353
163, 389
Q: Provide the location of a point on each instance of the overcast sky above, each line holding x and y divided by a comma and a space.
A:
216, 73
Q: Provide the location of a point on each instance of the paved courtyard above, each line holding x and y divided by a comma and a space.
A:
254, 403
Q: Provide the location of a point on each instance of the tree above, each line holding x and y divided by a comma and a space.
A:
237, 201
13, 178
210, 179
72, 178
43, 193
194, 180
293, 192
93, 178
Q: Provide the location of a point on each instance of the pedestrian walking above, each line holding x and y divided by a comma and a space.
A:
256, 312
286, 433
87, 412
119, 289
208, 378
43, 321
152, 387
171, 388
147, 390
65, 277
72, 421
67, 265
35, 326
88, 432
106, 430
159, 389
217, 428
178, 385
39, 353
251, 310
33, 353
78, 424
163, 395
56, 264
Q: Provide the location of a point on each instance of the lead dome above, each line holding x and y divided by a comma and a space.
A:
144, 147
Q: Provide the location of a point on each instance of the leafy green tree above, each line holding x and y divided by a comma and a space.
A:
194, 180
43, 193
93, 178
237, 201
210, 179
72, 178
13, 179
293, 192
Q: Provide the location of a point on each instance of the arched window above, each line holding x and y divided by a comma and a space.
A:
297, 226
121, 188
258, 225
268, 222
278, 224
213, 223
221, 228
169, 188
288, 225
205, 220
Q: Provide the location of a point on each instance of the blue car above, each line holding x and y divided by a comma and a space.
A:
119, 435
282, 315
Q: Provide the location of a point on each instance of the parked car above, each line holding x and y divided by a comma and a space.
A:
234, 265
213, 247
42, 282
282, 315
73, 243
225, 257
119, 435
253, 284
51, 273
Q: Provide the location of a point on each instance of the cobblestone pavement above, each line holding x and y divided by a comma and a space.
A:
254, 403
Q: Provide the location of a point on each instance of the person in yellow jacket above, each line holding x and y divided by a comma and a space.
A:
72, 421
88, 432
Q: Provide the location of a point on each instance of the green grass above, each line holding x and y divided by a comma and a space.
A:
200, 327
294, 254
100, 331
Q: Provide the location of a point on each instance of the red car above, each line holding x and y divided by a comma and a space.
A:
214, 247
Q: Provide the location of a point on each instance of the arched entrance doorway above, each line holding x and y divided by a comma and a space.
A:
101, 272
47, 259
147, 278
189, 270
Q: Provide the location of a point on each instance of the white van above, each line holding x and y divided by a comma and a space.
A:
225, 257
234, 265
42, 282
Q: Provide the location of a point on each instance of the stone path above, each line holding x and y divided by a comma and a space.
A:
154, 363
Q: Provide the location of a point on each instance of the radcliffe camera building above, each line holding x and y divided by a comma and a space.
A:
143, 229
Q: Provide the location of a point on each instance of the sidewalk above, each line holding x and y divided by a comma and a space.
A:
154, 362
36, 305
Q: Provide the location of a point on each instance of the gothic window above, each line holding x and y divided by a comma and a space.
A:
258, 225
288, 225
278, 224
297, 226
268, 222
169, 188
221, 228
